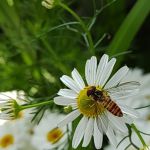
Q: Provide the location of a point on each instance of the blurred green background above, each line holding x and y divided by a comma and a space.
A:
36, 48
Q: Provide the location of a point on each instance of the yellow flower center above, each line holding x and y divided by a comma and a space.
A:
87, 102
54, 135
6, 140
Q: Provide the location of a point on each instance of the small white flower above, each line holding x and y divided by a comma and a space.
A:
49, 4
46, 135
89, 100
9, 104
12, 136
9, 109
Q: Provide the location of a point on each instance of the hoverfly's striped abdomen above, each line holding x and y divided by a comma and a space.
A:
112, 107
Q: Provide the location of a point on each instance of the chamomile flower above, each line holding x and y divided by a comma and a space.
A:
89, 101
9, 104
47, 135
12, 137
9, 109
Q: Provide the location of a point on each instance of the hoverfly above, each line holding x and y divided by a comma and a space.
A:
100, 96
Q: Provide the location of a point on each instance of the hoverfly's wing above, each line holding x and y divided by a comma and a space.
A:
124, 90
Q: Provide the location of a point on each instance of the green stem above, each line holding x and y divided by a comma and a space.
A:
85, 28
36, 105
138, 134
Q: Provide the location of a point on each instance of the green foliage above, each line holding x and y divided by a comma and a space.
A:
129, 27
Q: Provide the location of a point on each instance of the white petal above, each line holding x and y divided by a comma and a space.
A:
103, 122
74, 105
101, 67
90, 70
60, 100
111, 136
98, 136
6, 117
78, 79
69, 118
107, 71
124, 144
117, 77
79, 132
127, 119
8, 111
93, 70
67, 93
88, 132
87, 72
99, 124
118, 122
5, 104
130, 111
69, 82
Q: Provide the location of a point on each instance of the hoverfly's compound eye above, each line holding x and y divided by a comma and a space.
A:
98, 93
91, 91
95, 93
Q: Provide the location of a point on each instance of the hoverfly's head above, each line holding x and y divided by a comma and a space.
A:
98, 94
91, 91
95, 93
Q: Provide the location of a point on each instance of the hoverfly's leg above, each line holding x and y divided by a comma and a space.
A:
91, 105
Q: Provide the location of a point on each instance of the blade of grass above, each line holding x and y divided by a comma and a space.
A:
129, 28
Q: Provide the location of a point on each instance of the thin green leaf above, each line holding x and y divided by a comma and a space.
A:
129, 28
